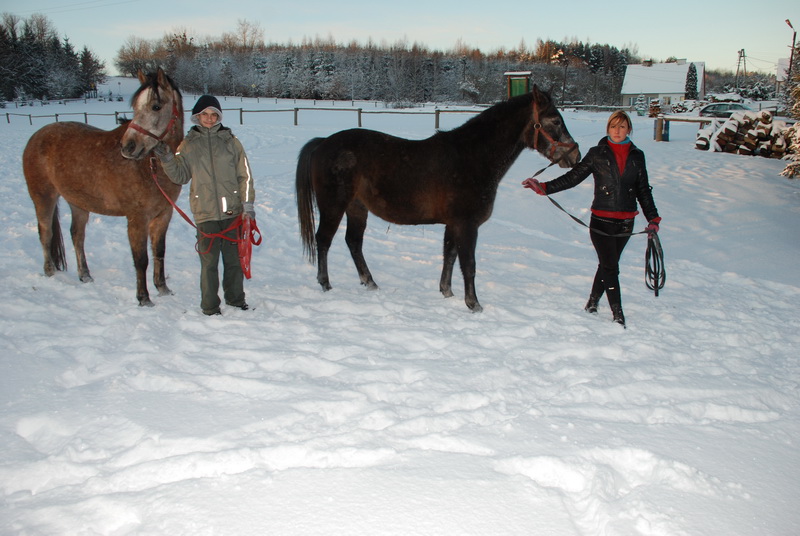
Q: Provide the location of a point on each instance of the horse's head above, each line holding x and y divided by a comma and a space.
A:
547, 133
157, 115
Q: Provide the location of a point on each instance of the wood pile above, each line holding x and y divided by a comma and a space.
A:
747, 133
655, 108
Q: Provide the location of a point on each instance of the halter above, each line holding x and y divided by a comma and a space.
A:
171, 123
554, 145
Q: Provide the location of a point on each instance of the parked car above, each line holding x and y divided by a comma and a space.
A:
723, 109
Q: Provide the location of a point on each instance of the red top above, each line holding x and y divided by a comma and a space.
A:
621, 151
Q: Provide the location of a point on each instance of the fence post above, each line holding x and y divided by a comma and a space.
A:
56, 118
30, 119
436, 113
359, 118
296, 112
241, 116
659, 128
86, 118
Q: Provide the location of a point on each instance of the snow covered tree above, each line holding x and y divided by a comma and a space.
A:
691, 83
792, 169
641, 105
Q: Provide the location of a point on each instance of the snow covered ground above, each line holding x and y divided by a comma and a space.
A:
399, 412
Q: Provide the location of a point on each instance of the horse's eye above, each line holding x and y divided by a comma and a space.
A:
157, 107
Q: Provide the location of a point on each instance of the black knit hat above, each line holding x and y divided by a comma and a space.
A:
204, 102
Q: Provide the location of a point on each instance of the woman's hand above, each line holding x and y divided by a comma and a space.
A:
652, 226
535, 185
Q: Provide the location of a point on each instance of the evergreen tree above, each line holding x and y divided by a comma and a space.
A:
691, 83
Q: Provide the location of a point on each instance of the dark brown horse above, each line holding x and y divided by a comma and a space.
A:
105, 172
449, 178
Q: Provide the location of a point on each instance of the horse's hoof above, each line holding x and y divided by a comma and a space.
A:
371, 285
86, 278
164, 291
475, 308
447, 293
146, 302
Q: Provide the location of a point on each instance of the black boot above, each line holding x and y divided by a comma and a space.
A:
619, 318
591, 305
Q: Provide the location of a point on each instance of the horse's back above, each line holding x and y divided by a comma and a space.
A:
81, 163
400, 180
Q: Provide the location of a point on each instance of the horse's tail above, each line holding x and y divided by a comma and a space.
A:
57, 253
306, 199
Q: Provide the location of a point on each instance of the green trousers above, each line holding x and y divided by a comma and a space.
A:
210, 250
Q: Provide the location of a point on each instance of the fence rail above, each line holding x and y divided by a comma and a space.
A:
120, 116
243, 112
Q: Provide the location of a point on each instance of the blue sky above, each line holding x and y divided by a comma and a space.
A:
697, 31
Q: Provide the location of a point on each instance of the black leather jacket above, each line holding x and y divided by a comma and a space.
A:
612, 192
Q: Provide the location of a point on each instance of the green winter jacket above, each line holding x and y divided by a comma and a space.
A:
213, 159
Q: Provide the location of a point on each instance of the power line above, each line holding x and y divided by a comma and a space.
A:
92, 4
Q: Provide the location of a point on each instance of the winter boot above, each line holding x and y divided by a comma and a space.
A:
619, 318
591, 305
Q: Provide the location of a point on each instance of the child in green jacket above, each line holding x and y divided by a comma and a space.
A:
221, 191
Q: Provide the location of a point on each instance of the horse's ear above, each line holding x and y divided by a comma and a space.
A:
539, 95
142, 77
162, 78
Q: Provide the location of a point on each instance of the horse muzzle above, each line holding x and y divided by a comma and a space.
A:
567, 156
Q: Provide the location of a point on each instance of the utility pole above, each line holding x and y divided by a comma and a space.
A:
742, 62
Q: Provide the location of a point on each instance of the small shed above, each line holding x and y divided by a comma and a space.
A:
518, 83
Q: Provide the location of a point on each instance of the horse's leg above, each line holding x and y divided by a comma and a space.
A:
158, 243
328, 225
450, 252
50, 233
357, 215
466, 238
137, 236
77, 230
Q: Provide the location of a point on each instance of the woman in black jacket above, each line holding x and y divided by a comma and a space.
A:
620, 181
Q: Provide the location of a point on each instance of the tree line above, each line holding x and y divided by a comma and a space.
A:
35, 63
241, 63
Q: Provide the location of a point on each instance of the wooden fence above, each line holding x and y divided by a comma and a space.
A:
242, 112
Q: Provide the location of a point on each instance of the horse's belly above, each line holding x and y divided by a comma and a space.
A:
404, 209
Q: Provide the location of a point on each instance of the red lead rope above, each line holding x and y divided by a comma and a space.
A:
248, 234
248, 237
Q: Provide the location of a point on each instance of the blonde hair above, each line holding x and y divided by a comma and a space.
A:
620, 116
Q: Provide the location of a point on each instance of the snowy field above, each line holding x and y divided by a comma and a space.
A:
398, 412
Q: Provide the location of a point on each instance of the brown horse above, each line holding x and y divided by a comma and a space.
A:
449, 178
105, 172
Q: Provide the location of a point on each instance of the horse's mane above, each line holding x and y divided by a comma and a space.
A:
494, 114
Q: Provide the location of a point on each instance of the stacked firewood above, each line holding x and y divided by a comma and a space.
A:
655, 108
747, 133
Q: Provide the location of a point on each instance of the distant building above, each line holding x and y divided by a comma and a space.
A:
663, 81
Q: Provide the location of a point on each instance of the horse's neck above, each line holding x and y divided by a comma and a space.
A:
175, 137
502, 136
502, 128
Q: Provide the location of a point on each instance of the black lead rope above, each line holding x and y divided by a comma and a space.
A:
655, 273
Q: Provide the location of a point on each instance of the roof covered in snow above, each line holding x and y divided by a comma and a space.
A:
661, 78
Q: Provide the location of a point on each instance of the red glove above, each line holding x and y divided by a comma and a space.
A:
535, 185
652, 226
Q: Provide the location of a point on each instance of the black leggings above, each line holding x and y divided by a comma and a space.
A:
609, 250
